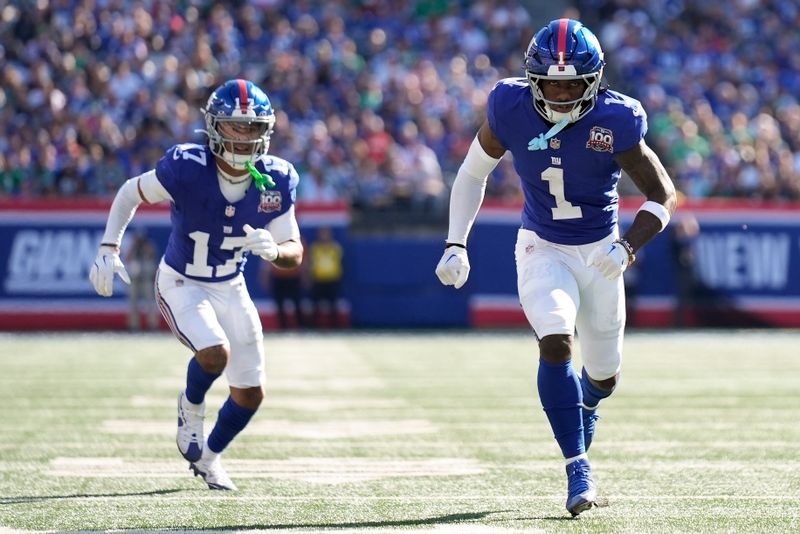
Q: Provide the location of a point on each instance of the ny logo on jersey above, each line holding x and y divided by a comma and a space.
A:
601, 139
270, 201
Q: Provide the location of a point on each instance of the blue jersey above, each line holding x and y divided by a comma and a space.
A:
207, 236
570, 186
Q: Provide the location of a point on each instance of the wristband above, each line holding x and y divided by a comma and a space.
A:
658, 210
459, 245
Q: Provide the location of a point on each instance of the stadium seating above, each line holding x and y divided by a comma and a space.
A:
367, 90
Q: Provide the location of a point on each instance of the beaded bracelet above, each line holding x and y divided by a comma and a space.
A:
628, 250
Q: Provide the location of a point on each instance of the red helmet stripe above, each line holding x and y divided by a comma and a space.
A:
561, 51
243, 102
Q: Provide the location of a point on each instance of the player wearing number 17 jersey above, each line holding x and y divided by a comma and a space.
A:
229, 199
570, 137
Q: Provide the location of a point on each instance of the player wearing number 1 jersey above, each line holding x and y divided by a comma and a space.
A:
570, 138
229, 198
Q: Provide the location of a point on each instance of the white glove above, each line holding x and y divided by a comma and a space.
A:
453, 268
106, 264
261, 243
611, 260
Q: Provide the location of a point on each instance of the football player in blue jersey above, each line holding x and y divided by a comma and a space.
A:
228, 198
569, 136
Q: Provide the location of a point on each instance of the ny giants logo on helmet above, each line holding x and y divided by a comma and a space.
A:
270, 201
601, 139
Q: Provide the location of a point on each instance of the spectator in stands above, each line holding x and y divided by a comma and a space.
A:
685, 229
326, 265
287, 287
417, 177
141, 260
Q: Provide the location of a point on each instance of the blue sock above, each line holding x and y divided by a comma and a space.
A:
198, 382
560, 393
231, 420
592, 395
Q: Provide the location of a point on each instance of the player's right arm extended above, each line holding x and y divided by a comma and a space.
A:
143, 188
466, 198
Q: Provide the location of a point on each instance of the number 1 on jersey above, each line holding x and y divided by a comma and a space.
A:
564, 208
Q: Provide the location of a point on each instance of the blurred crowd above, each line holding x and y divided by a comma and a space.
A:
721, 84
377, 101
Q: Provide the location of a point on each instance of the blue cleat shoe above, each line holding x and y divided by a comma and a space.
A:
582, 493
590, 418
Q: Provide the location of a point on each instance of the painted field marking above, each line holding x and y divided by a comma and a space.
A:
424, 443
328, 404
317, 384
314, 470
669, 465
276, 381
242, 496
277, 427
316, 359
304, 404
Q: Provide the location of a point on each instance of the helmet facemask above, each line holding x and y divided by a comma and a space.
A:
239, 140
580, 106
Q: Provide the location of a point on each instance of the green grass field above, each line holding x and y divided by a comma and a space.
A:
388, 432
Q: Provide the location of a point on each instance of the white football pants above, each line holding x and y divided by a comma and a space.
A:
558, 293
205, 314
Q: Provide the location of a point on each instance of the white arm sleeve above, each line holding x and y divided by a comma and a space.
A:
468, 190
144, 187
284, 227
151, 190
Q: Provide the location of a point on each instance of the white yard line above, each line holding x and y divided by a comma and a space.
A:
307, 404
329, 430
314, 470
657, 446
337, 470
238, 496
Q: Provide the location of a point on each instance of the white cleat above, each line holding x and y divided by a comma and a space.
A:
213, 473
190, 429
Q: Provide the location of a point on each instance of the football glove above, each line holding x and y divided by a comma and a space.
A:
261, 243
453, 268
106, 265
610, 259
